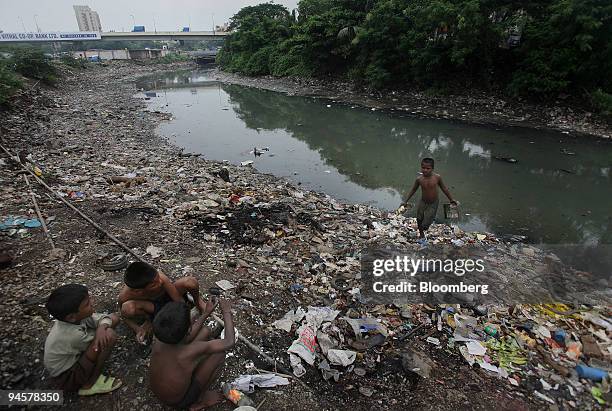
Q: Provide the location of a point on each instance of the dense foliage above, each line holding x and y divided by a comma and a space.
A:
31, 62
9, 82
534, 48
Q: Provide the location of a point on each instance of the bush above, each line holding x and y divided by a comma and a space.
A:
9, 83
602, 101
32, 63
73, 62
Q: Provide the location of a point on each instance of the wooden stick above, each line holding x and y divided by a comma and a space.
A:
276, 373
248, 343
258, 350
79, 212
38, 213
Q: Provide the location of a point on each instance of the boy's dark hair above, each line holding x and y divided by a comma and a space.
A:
139, 274
172, 322
428, 160
66, 300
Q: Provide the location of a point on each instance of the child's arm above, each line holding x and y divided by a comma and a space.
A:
415, 187
199, 348
197, 324
169, 288
445, 191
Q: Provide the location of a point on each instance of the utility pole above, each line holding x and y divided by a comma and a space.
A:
213, 22
36, 22
133, 21
154, 26
22, 25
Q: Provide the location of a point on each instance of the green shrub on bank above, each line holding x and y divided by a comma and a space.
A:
70, 61
32, 63
602, 101
9, 82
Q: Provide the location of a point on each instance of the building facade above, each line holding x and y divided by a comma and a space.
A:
87, 19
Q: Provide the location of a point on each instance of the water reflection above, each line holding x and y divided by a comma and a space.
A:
361, 156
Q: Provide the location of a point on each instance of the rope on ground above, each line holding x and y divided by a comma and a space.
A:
248, 343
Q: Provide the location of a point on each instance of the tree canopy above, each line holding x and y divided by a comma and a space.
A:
531, 48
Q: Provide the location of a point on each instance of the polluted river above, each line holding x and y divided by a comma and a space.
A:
547, 186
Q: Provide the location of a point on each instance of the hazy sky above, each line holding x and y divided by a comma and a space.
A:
58, 15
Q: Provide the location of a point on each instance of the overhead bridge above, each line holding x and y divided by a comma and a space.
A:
163, 35
31, 37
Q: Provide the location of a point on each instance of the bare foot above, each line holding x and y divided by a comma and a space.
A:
207, 399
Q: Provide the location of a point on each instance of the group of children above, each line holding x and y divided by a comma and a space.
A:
185, 360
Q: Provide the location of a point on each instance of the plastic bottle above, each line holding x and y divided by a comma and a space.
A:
490, 330
590, 373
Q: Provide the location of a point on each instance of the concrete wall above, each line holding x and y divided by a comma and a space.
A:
122, 54
147, 54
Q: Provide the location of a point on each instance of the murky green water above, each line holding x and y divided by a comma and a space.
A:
559, 191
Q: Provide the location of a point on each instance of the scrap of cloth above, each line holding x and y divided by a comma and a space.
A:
247, 383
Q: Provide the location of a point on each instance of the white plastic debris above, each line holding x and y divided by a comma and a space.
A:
247, 383
341, 357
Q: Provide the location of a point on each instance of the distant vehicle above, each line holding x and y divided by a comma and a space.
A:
138, 29
95, 58
185, 29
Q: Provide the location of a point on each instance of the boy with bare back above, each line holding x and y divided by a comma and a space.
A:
185, 362
147, 290
428, 206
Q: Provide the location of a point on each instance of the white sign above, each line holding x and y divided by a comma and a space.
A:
51, 36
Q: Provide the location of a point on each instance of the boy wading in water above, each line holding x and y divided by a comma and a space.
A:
428, 206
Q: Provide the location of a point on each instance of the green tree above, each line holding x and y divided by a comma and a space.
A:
258, 31
31, 62
567, 47
9, 82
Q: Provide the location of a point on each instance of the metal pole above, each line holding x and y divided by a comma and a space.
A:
36, 22
213, 22
133, 21
22, 25
154, 25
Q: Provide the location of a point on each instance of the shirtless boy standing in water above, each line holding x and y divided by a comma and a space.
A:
428, 206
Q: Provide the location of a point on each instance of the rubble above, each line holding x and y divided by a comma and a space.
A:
290, 259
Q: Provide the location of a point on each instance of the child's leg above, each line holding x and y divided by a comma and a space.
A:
134, 309
206, 374
190, 285
98, 357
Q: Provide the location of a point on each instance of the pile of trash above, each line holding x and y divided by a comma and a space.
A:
289, 258
559, 352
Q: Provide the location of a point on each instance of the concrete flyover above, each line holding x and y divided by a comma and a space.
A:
163, 35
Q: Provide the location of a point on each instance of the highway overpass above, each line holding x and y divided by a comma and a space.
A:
32, 37
163, 35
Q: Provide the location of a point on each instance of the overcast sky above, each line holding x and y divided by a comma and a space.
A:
58, 15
